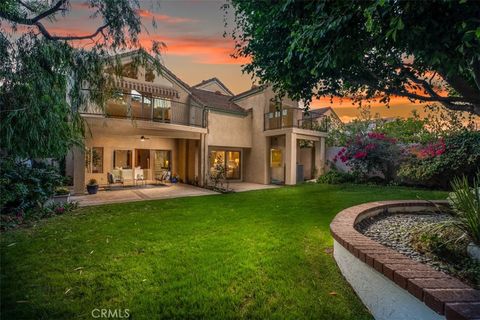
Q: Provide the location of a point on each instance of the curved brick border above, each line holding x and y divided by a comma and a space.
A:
442, 293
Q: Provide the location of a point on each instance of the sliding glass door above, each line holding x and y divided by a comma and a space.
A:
230, 160
161, 162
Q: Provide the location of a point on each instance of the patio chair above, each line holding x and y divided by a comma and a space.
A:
139, 177
112, 180
127, 175
117, 175
163, 177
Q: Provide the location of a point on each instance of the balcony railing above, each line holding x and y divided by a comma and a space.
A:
150, 108
295, 118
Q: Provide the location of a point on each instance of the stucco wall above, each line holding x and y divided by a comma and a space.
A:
256, 164
229, 130
384, 299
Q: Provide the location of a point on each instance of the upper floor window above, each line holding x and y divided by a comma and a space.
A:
149, 75
130, 70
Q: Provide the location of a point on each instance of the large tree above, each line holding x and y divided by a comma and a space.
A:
45, 77
427, 51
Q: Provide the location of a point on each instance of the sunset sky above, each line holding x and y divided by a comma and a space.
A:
196, 49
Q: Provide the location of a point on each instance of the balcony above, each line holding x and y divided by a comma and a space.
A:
295, 118
137, 106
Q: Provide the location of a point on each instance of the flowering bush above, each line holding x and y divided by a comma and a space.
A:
429, 150
35, 214
436, 164
372, 154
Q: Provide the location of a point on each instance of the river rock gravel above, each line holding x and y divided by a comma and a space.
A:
396, 230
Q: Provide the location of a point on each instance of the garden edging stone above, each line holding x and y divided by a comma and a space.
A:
445, 295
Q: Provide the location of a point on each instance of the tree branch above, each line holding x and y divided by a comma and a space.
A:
36, 22
48, 12
453, 103
49, 36
30, 8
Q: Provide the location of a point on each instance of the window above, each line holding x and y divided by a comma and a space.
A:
149, 75
217, 158
229, 160
94, 160
161, 109
162, 160
233, 165
97, 160
142, 158
122, 159
130, 70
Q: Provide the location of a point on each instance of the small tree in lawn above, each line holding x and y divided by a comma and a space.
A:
218, 174
372, 154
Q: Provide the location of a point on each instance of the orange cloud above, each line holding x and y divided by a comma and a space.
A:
162, 17
204, 50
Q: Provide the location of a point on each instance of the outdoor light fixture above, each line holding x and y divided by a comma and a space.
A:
142, 138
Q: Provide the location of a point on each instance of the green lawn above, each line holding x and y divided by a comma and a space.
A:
260, 254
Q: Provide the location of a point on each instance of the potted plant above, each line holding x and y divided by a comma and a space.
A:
62, 195
92, 186
175, 178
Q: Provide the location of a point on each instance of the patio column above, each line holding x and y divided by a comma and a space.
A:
320, 156
203, 159
78, 170
290, 159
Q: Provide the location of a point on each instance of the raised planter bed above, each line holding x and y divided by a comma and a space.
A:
390, 284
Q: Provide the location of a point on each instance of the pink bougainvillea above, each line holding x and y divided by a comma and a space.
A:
430, 150
360, 155
371, 153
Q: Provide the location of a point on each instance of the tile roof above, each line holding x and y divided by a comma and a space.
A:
217, 101
253, 90
320, 111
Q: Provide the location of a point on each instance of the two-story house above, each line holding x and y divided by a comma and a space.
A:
157, 123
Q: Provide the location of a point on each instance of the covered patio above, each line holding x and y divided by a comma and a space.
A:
153, 192
149, 192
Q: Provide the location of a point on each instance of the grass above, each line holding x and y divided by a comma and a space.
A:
260, 254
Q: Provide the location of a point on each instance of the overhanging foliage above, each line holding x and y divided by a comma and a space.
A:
427, 51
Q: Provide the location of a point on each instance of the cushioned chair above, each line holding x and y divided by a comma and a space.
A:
111, 180
162, 177
127, 175
117, 175
139, 176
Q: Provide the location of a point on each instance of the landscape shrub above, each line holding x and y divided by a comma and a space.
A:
24, 188
448, 246
333, 176
372, 154
54, 209
436, 164
465, 202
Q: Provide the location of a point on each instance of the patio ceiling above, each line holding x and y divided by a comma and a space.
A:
100, 125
